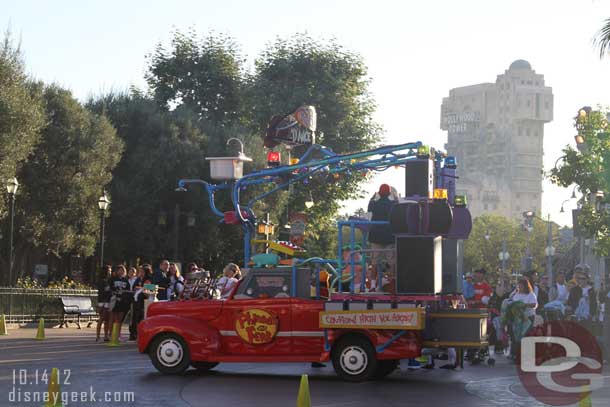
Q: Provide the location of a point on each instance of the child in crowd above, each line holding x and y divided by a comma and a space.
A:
468, 287
228, 280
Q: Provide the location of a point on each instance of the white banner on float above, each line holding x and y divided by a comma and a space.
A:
400, 318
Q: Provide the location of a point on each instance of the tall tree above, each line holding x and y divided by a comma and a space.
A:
588, 167
602, 39
203, 74
161, 147
301, 70
21, 117
484, 245
64, 176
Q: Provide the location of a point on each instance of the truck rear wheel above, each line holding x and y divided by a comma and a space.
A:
354, 359
169, 354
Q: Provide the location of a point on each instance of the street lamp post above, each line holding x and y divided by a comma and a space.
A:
549, 251
504, 256
103, 203
11, 188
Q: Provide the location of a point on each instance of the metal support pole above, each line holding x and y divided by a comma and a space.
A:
549, 259
267, 235
176, 229
102, 225
10, 251
503, 255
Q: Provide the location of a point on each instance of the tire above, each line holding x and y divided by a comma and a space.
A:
385, 367
169, 354
204, 366
354, 359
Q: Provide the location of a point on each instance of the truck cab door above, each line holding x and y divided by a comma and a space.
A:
257, 319
307, 337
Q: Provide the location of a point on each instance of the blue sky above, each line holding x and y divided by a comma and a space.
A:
415, 51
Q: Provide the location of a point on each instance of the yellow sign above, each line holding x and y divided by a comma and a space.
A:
256, 326
401, 318
440, 193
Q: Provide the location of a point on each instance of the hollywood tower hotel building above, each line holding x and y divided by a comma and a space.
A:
496, 132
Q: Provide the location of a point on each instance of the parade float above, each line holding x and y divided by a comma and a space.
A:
312, 309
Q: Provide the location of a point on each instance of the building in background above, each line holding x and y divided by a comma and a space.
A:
496, 132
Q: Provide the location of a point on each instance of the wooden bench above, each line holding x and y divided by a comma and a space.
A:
76, 306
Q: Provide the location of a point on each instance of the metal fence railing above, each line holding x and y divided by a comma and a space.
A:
20, 305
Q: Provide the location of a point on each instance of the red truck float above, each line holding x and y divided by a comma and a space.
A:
268, 319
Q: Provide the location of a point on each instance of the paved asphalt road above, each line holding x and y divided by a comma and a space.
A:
94, 367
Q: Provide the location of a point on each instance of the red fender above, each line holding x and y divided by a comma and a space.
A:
201, 338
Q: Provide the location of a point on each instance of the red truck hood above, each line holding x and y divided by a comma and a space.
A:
200, 309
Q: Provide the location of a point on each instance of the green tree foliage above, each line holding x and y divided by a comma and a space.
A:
204, 75
589, 169
602, 39
64, 176
302, 70
21, 113
484, 245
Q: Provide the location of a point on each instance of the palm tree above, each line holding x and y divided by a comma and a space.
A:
602, 39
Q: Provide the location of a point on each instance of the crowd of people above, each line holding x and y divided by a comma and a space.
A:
122, 292
534, 299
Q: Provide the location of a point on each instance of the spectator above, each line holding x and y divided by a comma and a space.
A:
176, 282
482, 290
161, 280
103, 303
582, 299
380, 236
120, 296
468, 287
228, 281
496, 331
520, 317
606, 323
135, 282
525, 293
559, 290
542, 294
140, 294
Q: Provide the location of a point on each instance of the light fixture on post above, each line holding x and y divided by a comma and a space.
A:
504, 255
562, 210
103, 204
11, 188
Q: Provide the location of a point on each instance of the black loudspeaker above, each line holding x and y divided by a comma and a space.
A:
451, 282
419, 178
421, 218
419, 265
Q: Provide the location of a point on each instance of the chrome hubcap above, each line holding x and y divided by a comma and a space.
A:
170, 353
353, 360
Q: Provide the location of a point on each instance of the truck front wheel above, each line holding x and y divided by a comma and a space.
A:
169, 354
354, 359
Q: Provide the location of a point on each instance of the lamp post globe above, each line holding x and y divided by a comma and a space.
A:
103, 203
11, 187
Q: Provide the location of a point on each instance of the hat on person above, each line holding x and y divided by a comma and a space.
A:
481, 270
384, 190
